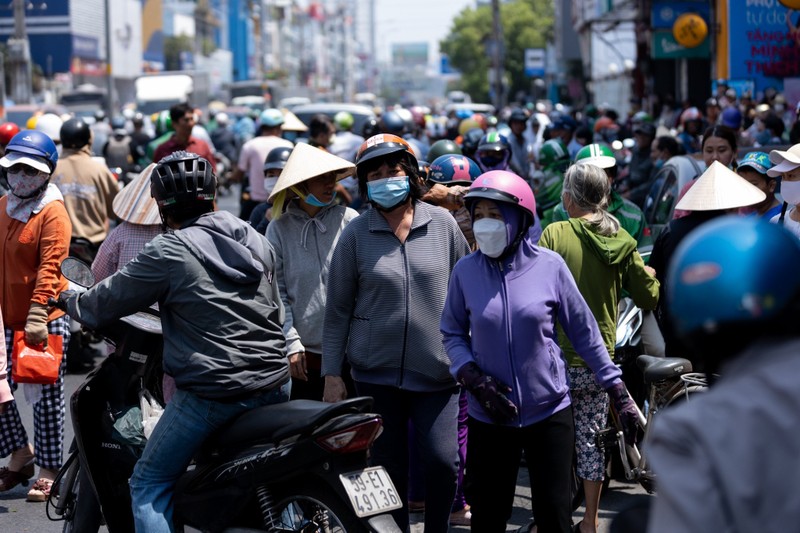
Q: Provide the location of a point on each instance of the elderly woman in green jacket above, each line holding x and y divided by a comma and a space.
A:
604, 261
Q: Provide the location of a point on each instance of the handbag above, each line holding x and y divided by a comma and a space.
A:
36, 364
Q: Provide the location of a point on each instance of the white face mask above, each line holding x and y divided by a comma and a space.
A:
491, 236
790, 192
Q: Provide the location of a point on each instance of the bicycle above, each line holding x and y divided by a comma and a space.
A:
668, 380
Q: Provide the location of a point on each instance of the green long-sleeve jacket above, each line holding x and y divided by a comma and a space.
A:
602, 268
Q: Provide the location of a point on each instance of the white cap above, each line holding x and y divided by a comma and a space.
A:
12, 158
785, 161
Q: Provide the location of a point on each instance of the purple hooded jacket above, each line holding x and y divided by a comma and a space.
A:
502, 315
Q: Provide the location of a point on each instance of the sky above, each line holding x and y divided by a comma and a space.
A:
413, 21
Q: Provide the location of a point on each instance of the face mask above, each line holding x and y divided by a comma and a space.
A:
790, 192
388, 193
491, 236
312, 200
659, 163
23, 186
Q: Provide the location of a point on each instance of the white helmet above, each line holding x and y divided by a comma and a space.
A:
50, 124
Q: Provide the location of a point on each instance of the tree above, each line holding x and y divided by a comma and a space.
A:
526, 24
174, 46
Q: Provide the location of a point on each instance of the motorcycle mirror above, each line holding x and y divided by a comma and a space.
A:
77, 272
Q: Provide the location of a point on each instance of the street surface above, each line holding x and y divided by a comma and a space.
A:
18, 516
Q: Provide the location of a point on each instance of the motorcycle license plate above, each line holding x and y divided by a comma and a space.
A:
371, 491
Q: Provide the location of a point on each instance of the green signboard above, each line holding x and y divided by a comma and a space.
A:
666, 47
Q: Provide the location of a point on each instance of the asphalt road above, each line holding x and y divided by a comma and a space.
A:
18, 516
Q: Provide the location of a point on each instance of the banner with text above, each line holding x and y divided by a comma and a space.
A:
764, 42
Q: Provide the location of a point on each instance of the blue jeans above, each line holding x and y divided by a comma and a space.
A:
186, 423
434, 417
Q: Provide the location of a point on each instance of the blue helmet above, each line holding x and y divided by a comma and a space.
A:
734, 278
453, 169
35, 143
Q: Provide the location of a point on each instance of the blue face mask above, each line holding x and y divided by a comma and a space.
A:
388, 193
312, 200
659, 163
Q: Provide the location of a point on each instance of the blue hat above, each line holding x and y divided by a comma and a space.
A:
758, 161
564, 123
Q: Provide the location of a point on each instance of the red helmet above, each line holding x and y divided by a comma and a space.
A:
7, 132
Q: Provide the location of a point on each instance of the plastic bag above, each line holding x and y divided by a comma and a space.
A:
151, 412
36, 364
128, 428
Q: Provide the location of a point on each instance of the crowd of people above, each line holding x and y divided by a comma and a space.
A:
463, 270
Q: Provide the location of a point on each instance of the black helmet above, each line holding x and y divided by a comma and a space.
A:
276, 158
392, 122
443, 147
370, 128
118, 123
470, 141
75, 133
181, 180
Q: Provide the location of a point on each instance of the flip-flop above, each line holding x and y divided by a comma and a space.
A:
40, 490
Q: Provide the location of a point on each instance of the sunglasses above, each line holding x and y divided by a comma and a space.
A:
20, 168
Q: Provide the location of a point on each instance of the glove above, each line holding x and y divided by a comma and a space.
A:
490, 392
627, 411
63, 297
36, 324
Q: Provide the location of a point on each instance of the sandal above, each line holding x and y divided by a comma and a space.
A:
10, 478
40, 490
461, 517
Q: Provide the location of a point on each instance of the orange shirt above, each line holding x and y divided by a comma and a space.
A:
30, 256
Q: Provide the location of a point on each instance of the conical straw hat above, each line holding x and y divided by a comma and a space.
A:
291, 122
307, 162
720, 188
134, 204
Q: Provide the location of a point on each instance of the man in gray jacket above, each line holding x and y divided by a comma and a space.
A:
213, 278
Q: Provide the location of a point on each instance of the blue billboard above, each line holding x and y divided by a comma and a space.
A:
764, 43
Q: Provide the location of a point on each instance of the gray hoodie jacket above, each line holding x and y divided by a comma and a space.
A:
303, 249
221, 312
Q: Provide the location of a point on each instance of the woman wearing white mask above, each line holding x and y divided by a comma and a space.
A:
499, 328
787, 166
387, 285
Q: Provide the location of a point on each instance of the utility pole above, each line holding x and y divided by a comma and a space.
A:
19, 55
497, 57
109, 74
372, 85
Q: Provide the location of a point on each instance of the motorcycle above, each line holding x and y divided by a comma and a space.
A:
297, 466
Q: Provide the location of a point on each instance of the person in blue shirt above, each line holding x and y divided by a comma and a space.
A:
754, 169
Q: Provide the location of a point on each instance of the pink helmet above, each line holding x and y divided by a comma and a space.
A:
502, 186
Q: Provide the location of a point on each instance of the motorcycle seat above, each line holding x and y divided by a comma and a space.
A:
275, 422
661, 368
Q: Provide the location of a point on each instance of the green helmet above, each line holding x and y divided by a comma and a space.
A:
641, 117
596, 154
343, 120
163, 123
552, 152
443, 147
